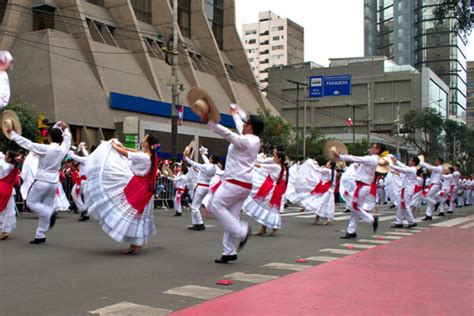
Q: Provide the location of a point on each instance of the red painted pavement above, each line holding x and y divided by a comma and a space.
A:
428, 273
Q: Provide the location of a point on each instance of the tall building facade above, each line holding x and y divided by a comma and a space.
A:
470, 94
103, 66
406, 31
272, 41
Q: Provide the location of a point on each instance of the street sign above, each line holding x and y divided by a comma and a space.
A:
329, 86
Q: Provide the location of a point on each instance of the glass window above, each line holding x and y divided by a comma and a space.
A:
142, 10
43, 18
276, 38
252, 41
184, 17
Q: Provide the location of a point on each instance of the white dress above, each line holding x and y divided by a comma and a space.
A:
261, 208
417, 195
393, 187
7, 215
321, 203
291, 194
108, 173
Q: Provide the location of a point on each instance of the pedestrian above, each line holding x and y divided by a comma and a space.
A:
434, 187
42, 192
79, 179
179, 184
9, 178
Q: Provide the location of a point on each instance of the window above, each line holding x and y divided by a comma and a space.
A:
276, 38
3, 6
142, 10
43, 17
233, 75
252, 41
214, 10
100, 3
184, 17
277, 47
278, 28
251, 32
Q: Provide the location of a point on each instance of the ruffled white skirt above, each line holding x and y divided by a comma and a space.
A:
61, 203
108, 173
321, 204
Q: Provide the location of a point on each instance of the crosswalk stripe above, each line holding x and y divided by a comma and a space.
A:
452, 222
126, 308
386, 218
306, 216
290, 214
380, 242
286, 266
340, 251
399, 233
467, 226
341, 218
251, 278
195, 291
359, 246
388, 237
322, 258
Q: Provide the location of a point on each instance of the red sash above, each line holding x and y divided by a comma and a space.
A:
277, 195
140, 190
264, 189
179, 193
321, 187
427, 190
402, 199
6, 187
359, 185
418, 188
77, 179
216, 186
202, 185
244, 185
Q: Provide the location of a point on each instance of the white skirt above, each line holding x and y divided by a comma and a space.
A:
416, 199
321, 204
61, 203
108, 173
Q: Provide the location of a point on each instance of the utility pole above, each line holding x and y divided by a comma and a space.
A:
398, 129
353, 121
304, 125
174, 85
369, 108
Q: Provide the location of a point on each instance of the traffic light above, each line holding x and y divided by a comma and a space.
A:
43, 129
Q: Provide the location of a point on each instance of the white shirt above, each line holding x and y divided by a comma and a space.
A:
368, 166
436, 172
50, 156
457, 178
4, 89
409, 179
80, 159
180, 181
241, 154
447, 182
207, 169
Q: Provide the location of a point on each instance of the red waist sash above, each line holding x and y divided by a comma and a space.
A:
6, 187
359, 185
264, 189
321, 187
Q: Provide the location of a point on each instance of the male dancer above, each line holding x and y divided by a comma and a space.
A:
454, 194
365, 186
80, 181
446, 189
206, 171
236, 183
408, 188
41, 196
434, 187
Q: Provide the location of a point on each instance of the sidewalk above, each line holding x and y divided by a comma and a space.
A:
428, 273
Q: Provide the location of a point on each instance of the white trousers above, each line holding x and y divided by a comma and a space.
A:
380, 196
405, 213
78, 198
41, 201
225, 205
177, 201
431, 199
442, 198
454, 197
199, 194
362, 214
8, 217
468, 195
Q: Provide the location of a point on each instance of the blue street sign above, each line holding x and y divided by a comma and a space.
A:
329, 86
316, 86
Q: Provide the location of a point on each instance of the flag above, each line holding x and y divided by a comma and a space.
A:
180, 115
349, 121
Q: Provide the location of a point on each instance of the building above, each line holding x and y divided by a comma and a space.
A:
379, 87
103, 65
272, 41
470, 94
406, 32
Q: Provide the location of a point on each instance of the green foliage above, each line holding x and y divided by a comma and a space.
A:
425, 126
28, 115
277, 131
460, 145
458, 9
360, 148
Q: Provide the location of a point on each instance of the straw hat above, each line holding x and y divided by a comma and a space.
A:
384, 162
203, 105
332, 146
10, 121
446, 167
166, 171
422, 159
189, 150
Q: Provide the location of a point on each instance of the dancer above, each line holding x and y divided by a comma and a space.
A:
179, 183
206, 171
407, 191
6, 65
447, 185
434, 186
79, 179
365, 189
120, 188
416, 198
41, 195
265, 202
454, 192
9, 178
380, 190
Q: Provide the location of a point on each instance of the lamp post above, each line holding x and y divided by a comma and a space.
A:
398, 129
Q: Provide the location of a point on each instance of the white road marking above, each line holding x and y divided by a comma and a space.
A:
306, 216
467, 226
322, 258
201, 292
286, 266
380, 242
126, 308
387, 237
359, 246
386, 218
399, 233
291, 214
340, 251
252, 278
341, 218
452, 222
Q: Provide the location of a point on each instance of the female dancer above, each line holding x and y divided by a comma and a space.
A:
121, 182
265, 202
9, 177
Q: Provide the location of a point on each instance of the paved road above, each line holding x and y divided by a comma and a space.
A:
81, 270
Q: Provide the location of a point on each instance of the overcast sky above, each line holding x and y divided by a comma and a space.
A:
333, 28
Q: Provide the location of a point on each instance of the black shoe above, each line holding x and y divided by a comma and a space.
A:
427, 218
412, 225
243, 242
347, 211
197, 227
226, 259
38, 241
83, 218
450, 212
441, 214
375, 224
52, 220
392, 206
349, 236
178, 214
396, 226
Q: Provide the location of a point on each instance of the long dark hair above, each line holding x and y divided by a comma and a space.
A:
11, 154
333, 170
284, 167
153, 143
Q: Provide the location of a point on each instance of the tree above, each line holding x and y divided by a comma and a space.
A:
277, 131
458, 9
360, 148
425, 127
28, 115
459, 144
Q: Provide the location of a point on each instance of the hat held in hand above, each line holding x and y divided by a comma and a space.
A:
10, 121
203, 105
334, 146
